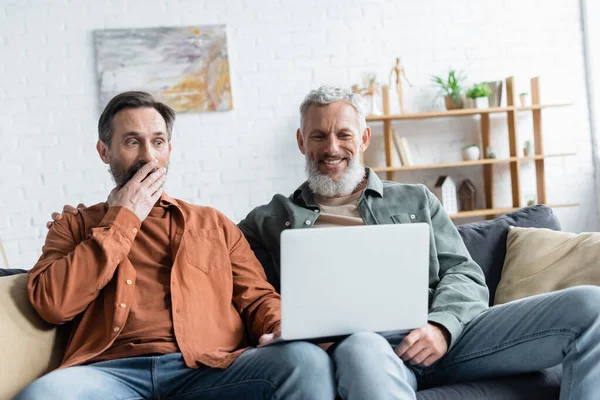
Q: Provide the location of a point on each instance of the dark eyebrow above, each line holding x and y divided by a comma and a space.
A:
137, 134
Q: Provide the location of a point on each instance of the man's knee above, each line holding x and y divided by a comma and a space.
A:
359, 344
44, 388
583, 301
306, 358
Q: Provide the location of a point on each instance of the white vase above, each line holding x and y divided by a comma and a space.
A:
482, 102
471, 153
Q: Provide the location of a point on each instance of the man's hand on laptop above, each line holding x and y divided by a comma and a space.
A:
268, 338
424, 346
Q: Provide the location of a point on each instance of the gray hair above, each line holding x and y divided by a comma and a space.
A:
327, 94
133, 99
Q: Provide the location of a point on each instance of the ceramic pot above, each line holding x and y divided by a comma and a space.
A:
451, 104
471, 153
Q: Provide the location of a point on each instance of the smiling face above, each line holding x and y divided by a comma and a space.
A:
138, 136
332, 143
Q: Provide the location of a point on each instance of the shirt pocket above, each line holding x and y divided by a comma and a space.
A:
205, 250
412, 217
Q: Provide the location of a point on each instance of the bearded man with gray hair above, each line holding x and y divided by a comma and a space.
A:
464, 340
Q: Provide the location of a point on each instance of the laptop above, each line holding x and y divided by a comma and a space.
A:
343, 280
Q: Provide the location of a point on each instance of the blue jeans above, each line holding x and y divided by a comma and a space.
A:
519, 337
290, 371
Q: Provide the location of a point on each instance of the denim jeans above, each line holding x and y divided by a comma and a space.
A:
518, 337
295, 370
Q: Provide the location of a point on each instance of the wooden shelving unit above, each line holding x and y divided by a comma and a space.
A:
488, 164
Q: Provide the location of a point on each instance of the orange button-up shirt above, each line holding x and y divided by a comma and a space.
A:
219, 292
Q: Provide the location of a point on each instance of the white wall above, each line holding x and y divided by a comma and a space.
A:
278, 50
592, 16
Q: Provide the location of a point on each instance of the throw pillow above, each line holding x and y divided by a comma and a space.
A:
541, 261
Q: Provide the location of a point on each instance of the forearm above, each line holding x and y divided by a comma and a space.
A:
459, 297
69, 276
461, 293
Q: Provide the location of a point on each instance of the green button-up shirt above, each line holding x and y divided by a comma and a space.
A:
457, 289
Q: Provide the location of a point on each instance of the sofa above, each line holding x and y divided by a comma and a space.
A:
31, 347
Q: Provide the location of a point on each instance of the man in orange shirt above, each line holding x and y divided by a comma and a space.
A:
161, 298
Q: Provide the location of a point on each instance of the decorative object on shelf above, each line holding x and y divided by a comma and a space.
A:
524, 99
370, 93
187, 68
478, 96
531, 199
495, 97
467, 195
527, 148
445, 191
398, 71
471, 152
451, 89
403, 150
397, 145
490, 153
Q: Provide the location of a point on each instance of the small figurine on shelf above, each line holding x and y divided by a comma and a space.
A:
445, 191
527, 149
490, 152
398, 71
466, 195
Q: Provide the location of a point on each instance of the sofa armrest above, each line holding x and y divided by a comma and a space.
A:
30, 346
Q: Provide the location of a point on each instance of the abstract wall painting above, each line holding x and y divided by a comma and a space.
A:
184, 67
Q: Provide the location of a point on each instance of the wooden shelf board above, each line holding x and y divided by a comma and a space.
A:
541, 157
469, 163
461, 112
497, 211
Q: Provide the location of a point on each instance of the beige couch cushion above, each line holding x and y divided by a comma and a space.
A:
541, 260
29, 345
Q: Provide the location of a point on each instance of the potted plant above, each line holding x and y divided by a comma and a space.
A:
479, 95
527, 148
451, 89
524, 97
471, 152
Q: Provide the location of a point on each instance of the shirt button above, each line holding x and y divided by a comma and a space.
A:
287, 223
135, 230
123, 305
116, 329
307, 222
128, 281
412, 216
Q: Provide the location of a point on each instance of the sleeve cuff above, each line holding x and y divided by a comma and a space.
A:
448, 321
123, 220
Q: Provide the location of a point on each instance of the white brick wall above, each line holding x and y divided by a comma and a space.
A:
279, 49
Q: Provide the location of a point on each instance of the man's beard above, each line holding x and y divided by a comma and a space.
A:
121, 176
323, 185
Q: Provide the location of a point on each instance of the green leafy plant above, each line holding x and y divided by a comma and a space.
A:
451, 86
479, 90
